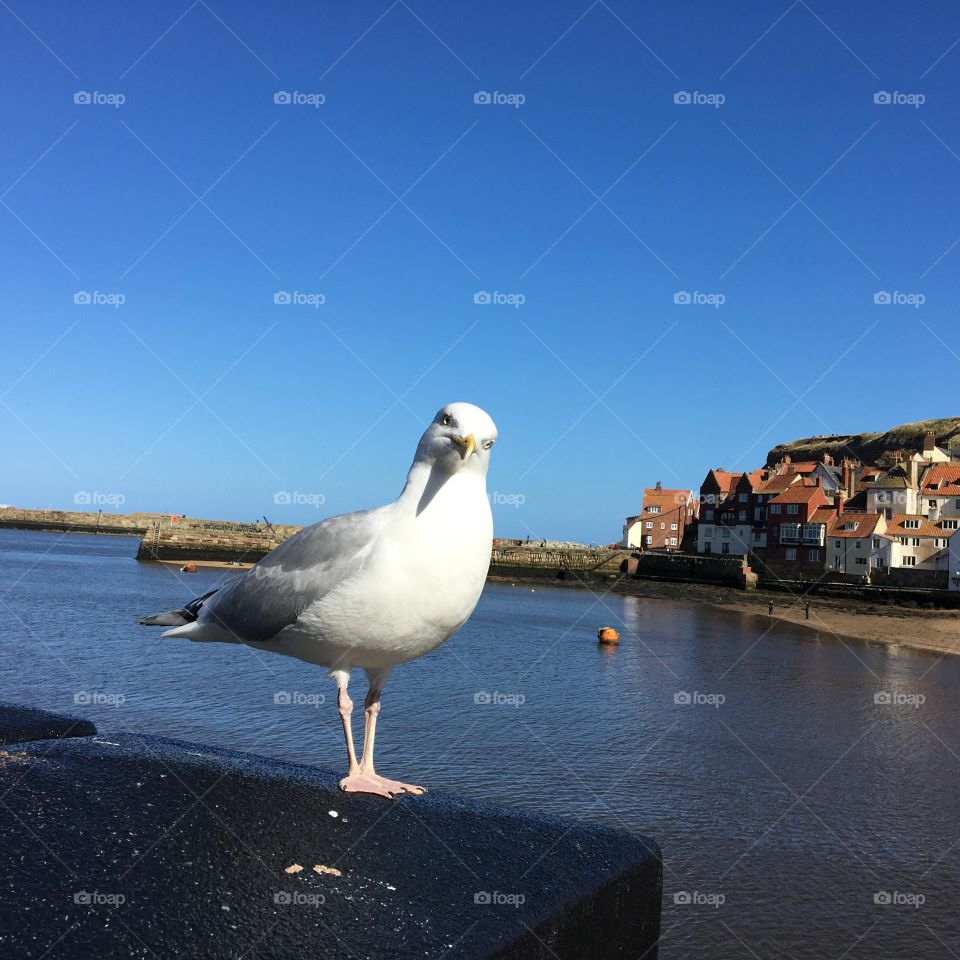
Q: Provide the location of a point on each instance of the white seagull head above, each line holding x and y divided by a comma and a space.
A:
459, 439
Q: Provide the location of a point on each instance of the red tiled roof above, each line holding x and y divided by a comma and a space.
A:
724, 479
778, 482
804, 466
866, 525
799, 493
942, 480
927, 528
823, 515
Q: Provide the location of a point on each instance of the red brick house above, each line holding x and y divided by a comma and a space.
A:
663, 520
793, 531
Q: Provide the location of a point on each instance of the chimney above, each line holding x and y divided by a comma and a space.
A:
847, 478
929, 441
659, 486
838, 501
913, 474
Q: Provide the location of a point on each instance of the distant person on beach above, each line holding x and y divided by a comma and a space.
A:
806, 610
770, 609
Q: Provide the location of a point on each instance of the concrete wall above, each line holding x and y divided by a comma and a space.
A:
706, 568
129, 524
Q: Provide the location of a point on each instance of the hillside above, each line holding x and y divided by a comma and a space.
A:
870, 447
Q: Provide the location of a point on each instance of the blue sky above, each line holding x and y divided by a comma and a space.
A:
784, 191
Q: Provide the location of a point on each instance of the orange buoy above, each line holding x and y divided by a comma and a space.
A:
607, 635
189, 567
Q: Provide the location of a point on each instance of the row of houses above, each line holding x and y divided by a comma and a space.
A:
799, 520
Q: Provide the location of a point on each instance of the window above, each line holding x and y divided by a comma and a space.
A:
911, 524
861, 561
838, 544
756, 536
648, 540
663, 526
653, 509
707, 514
673, 526
649, 524
742, 497
789, 532
876, 543
950, 524
859, 545
932, 504
916, 541
774, 507
939, 543
877, 562
726, 534
673, 541
793, 508
909, 561
791, 553
956, 503
707, 532
725, 548
708, 547
813, 555
742, 515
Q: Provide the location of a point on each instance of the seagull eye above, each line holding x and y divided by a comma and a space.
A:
487, 444
446, 420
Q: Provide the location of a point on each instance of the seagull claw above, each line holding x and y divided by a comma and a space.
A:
373, 783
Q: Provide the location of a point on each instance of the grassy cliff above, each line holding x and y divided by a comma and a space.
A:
870, 447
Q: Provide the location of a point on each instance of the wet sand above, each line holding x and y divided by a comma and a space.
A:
935, 631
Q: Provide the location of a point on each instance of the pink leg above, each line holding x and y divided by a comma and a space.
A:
365, 779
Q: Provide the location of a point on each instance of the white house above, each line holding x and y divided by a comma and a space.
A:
953, 576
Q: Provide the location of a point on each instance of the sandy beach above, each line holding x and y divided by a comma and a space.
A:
933, 631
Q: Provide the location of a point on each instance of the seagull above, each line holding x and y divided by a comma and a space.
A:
371, 589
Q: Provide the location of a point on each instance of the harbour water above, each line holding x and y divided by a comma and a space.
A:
805, 789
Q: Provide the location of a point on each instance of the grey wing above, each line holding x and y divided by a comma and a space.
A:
303, 569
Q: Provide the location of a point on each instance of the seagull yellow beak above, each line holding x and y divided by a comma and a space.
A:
469, 444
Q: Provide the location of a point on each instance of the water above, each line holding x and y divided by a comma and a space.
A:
796, 801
